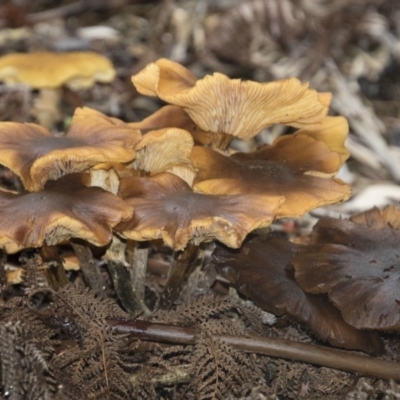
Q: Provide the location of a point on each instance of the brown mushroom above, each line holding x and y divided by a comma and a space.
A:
357, 266
64, 209
229, 108
295, 166
166, 208
37, 156
261, 270
49, 71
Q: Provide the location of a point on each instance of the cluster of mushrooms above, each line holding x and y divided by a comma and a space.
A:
173, 176
341, 281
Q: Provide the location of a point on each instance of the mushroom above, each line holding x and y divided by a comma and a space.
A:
357, 265
172, 116
261, 270
49, 71
64, 209
229, 108
297, 167
332, 131
164, 150
158, 150
37, 156
166, 208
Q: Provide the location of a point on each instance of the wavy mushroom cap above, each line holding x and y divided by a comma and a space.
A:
65, 209
332, 131
230, 106
37, 156
160, 149
166, 208
78, 70
357, 266
172, 117
261, 270
297, 167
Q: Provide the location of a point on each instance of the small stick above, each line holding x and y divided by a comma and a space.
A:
313, 354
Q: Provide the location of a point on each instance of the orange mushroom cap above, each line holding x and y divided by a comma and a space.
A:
162, 148
166, 208
230, 106
295, 167
37, 156
169, 117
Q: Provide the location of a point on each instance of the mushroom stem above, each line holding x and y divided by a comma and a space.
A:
89, 268
180, 269
46, 107
137, 255
273, 347
3, 273
220, 140
107, 180
119, 271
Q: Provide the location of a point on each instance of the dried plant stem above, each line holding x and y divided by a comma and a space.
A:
89, 268
313, 354
176, 375
119, 271
178, 273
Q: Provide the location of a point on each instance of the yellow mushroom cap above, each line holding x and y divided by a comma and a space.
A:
232, 106
77, 70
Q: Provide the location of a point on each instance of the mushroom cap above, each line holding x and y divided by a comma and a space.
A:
172, 117
261, 270
358, 266
231, 106
64, 209
295, 166
160, 149
166, 208
332, 131
77, 70
37, 156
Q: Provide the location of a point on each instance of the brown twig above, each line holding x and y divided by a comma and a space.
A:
313, 354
